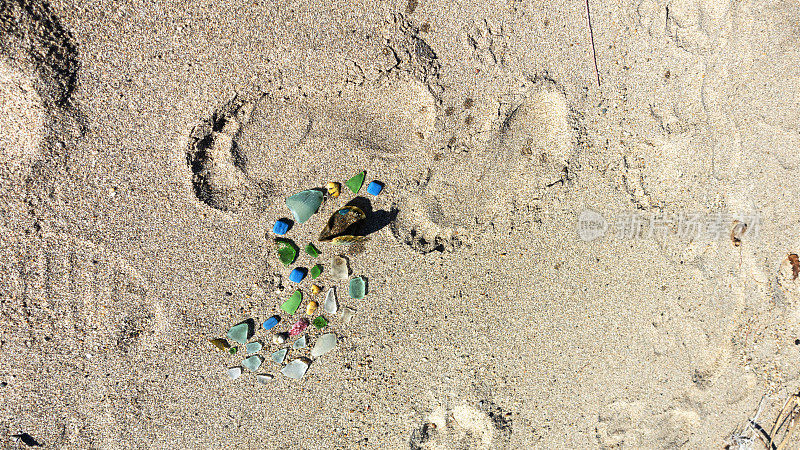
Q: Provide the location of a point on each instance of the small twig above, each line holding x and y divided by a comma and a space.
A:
785, 424
764, 436
792, 427
591, 35
778, 422
792, 422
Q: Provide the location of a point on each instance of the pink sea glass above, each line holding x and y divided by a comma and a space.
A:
298, 327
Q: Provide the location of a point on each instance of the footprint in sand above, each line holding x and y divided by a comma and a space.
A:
63, 299
21, 135
529, 148
623, 424
538, 137
233, 153
389, 120
38, 72
482, 426
53, 270
395, 119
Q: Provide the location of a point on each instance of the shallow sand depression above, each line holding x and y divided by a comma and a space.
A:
24, 113
153, 148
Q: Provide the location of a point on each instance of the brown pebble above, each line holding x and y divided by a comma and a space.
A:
794, 260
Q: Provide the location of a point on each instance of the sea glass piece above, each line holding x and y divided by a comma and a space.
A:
343, 223
240, 332
220, 344
253, 347
324, 344
234, 372
355, 183
330, 305
280, 355
300, 343
271, 322
297, 274
339, 269
295, 369
347, 314
357, 288
281, 227
304, 204
374, 187
298, 327
287, 251
233, 350
291, 305
311, 250
320, 322
315, 271
252, 363
264, 378
315, 289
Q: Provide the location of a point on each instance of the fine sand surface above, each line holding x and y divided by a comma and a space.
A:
148, 148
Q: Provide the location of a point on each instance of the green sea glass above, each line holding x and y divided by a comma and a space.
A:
320, 322
253, 347
315, 271
295, 369
357, 288
300, 343
325, 343
239, 333
287, 251
291, 305
304, 204
311, 250
252, 363
280, 355
355, 183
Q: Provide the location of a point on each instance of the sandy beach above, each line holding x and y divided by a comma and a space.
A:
562, 255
